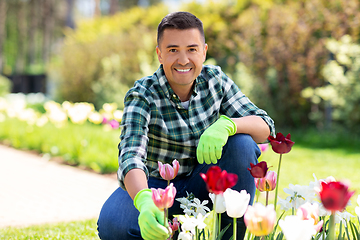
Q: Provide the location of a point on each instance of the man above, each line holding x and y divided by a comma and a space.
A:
184, 111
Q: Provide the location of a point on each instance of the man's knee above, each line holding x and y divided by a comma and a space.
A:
118, 218
242, 149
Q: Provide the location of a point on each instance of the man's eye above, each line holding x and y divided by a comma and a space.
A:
192, 50
172, 50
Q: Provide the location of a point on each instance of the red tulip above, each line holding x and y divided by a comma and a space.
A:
281, 144
259, 170
164, 198
218, 181
335, 195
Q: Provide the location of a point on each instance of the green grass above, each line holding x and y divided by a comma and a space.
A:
85, 230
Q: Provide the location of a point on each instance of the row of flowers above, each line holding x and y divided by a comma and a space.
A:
317, 209
15, 106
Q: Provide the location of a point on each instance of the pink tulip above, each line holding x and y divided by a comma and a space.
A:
263, 147
260, 220
167, 171
114, 124
267, 183
174, 225
164, 198
309, 211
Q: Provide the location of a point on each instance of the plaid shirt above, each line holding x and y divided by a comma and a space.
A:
156, 127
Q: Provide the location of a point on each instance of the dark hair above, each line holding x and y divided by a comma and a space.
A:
179, 20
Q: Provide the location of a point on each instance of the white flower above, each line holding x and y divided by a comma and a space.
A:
219, 206
95, 117
296, 229
199, 207
79, 112
185, 236
298, 196
189, 223
118, 114
236, 202
357, 209
342, 217
284, 204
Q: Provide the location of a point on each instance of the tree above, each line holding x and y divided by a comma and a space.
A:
3, 10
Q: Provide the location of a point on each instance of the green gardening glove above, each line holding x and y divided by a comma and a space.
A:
151, 219
213, 139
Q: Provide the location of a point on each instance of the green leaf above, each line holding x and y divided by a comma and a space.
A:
219, 237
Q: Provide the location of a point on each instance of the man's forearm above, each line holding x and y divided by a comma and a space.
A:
135, 180
255, 126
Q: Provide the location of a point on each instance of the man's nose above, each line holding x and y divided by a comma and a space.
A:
183, 58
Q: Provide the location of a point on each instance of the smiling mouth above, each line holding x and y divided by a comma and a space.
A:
183, 70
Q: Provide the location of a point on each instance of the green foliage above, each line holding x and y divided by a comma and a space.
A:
103, 57
342, 92
84, 145
5, 85
79, 230
274, 49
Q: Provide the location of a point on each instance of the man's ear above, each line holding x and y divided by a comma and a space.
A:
158, 52
205, 51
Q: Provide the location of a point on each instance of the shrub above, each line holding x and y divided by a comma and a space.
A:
5, 85
339, 100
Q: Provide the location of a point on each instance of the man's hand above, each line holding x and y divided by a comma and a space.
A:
151, 219
213, 139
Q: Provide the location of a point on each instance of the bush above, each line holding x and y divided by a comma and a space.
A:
5, 85
277, 45
103, 57
339, 100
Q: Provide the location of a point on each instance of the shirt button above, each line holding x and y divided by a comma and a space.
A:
174, 96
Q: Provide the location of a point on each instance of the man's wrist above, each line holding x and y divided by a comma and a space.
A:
140, 195
231, 126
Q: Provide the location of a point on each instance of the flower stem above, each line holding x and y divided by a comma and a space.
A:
257, 194
332, 226
215, 232
219, 223
267, 198
277, 182
234, 229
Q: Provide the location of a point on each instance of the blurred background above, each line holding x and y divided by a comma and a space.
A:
297, 59
72, 61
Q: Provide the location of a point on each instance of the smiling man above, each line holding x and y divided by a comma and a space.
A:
185, 111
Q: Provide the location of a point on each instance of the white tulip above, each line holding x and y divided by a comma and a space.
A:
294, 228
236, 202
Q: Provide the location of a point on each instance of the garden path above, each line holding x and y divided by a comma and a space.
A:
36, 191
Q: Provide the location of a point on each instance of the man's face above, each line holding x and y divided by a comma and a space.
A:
182, 53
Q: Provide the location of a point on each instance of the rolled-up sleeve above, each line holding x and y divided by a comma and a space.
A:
134, 136
236, 104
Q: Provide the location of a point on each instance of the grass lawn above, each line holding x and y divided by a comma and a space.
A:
85, 230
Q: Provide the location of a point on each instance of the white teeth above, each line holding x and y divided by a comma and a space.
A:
183, 70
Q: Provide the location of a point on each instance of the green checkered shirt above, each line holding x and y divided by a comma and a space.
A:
156, 127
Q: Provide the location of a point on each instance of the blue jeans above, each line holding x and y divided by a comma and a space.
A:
119, 218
